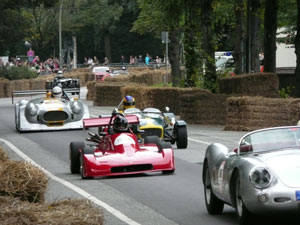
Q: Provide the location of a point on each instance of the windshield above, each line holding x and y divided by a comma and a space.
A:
220, 62
271, 139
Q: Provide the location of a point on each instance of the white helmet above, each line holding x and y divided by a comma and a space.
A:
57, 92
59, 73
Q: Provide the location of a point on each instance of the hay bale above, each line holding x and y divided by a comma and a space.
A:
251, 113
3, 156
259, 84
22, 180
75, 212
4, 83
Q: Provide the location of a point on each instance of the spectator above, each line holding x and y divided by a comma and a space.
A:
147, 59
96, 61
106, 61
123, 59
85, 62
90, 61
30, 55
140, 60
36, 60
131, 60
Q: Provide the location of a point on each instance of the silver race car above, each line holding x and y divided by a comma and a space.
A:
55, 111
259, 177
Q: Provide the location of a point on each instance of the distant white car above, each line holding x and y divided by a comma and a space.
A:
101, 72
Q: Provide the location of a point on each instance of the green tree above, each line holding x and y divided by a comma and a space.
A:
157, 16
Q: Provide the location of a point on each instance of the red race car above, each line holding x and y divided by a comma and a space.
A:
116, 150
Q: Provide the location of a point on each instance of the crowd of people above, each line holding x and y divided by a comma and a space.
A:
133, 60
51, 65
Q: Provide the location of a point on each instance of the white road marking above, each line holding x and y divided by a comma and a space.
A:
80, 191
202, 142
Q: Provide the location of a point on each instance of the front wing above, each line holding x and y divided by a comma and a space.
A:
119, 164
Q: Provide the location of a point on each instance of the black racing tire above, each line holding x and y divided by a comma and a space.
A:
48, 85
164, 144
245, 217
168, 171
181, 137
74, 156
85, 151
214, 205
151, 139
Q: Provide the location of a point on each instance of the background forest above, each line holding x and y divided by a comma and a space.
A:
111, 28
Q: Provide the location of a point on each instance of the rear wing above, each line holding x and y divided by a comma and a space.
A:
104, 121
39, 92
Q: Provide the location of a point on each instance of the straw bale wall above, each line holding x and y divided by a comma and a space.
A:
7, 86
250, 113
145, 76
203, 108
107, 94
260, 84
160, 97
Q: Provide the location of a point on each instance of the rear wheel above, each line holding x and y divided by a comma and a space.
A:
85, 151
181, 137
74, 156
213, 204
245, 217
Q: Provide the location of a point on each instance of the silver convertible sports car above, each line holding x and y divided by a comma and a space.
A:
259, 177
50, 113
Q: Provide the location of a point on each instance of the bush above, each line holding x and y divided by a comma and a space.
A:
17, 73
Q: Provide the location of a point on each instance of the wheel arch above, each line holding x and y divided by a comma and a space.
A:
232, 185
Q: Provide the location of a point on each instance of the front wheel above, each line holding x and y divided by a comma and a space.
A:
85, 151
244, 216
74, 155
213, 204
181, 137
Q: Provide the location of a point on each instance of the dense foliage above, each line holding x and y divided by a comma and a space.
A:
17, 73
111, 28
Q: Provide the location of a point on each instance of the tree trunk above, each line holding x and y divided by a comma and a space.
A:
107, 46
240, 37
271, 10
210, 77
175, 56
190, 45
255, 43
297, 51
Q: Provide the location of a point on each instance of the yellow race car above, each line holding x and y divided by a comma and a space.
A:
163, 125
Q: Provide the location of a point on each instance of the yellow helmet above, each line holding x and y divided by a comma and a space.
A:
128, 102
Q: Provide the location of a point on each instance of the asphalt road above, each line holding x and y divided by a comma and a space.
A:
143, 199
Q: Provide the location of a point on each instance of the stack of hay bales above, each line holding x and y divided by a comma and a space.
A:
22, 190
203, 108
108, 94
145, 76
260, 84
160, 97
3, 88
250, 113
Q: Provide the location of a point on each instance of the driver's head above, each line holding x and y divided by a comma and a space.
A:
128, 102
57, 92
120, 124
59, 73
